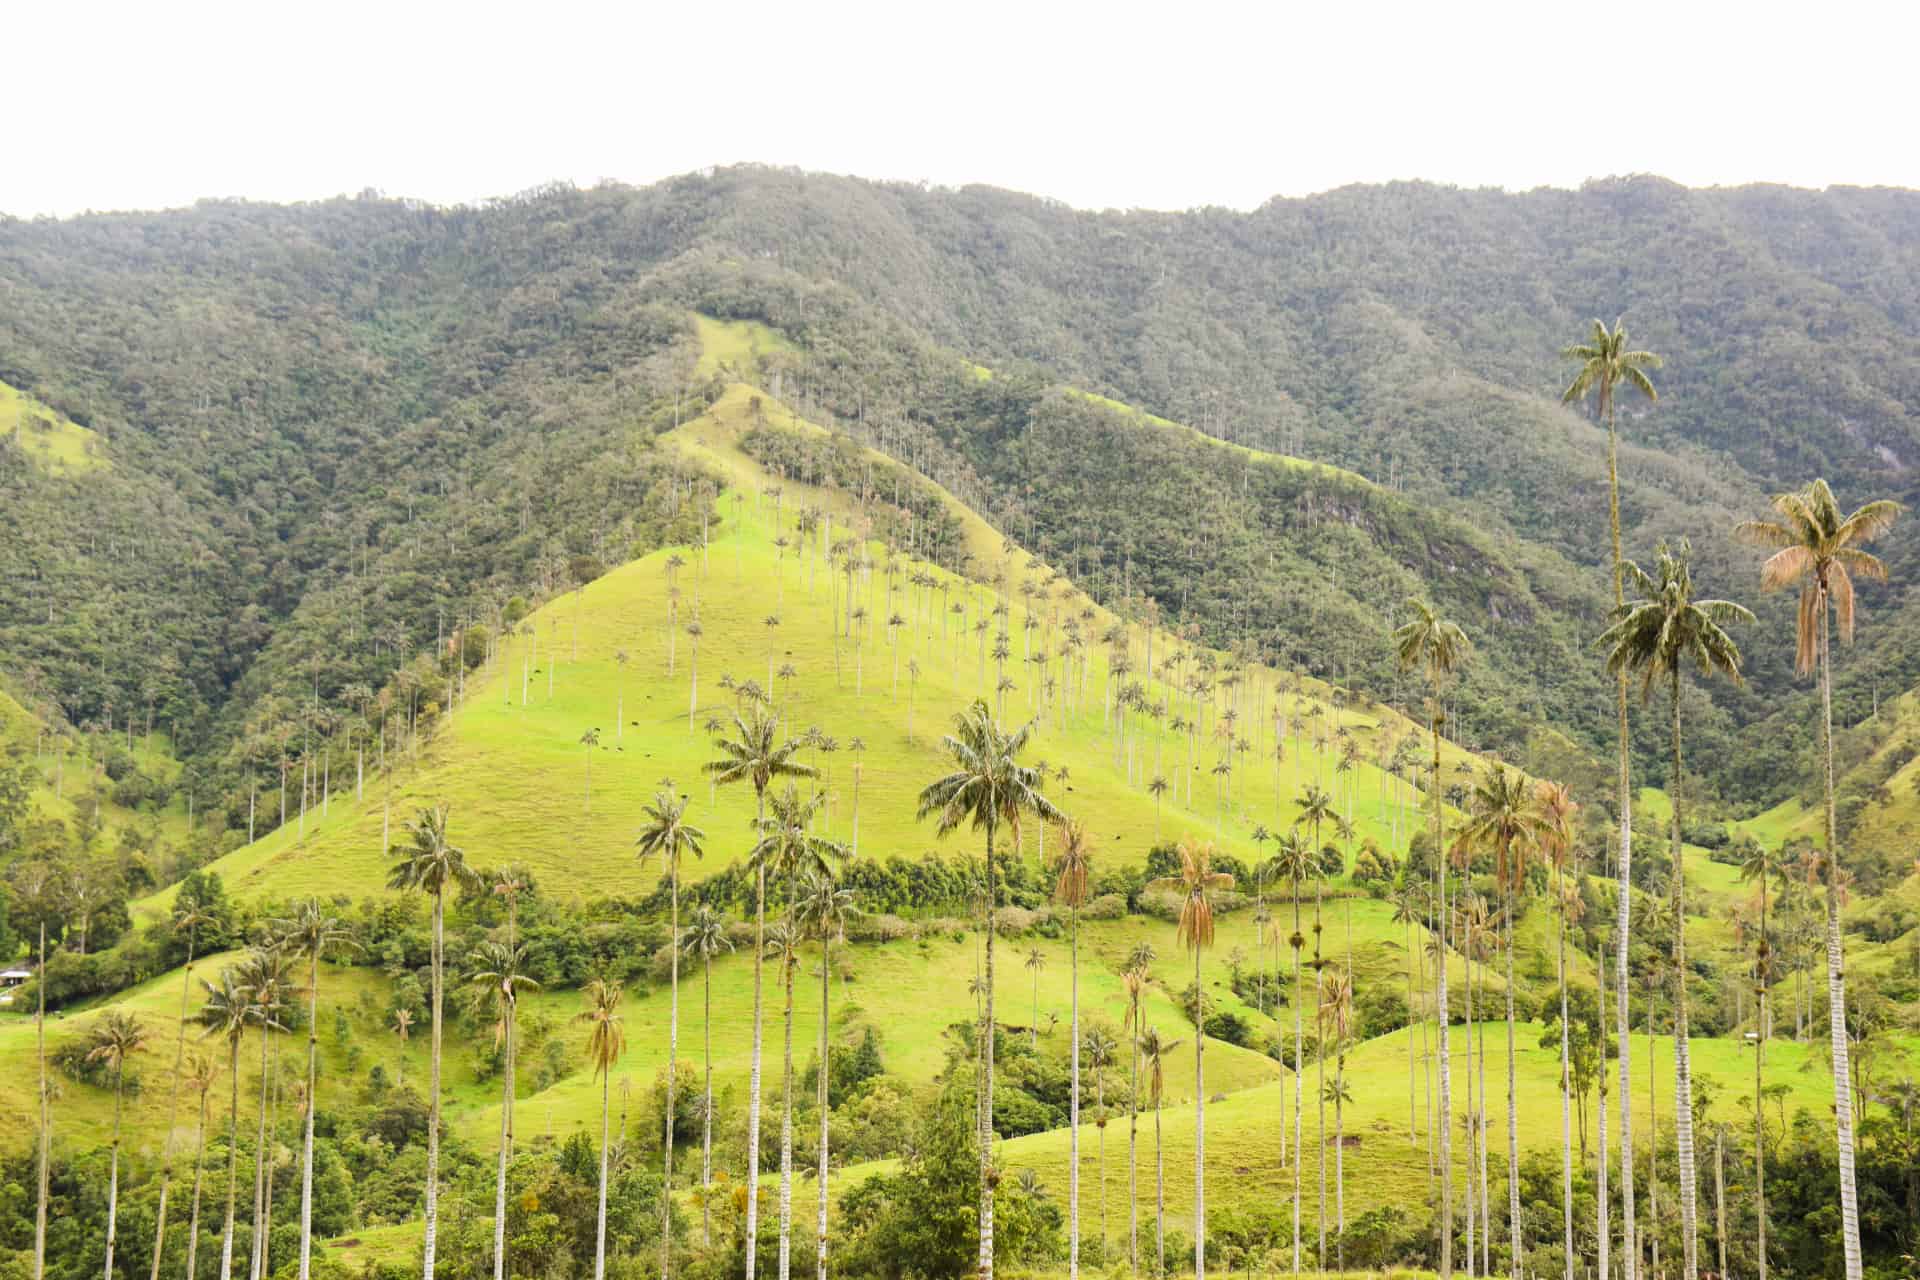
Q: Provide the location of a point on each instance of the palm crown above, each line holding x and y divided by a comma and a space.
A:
1606, 361
431, 863
1666, 629
989, 786
1814, 545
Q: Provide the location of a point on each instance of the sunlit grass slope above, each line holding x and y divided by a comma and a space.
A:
50, 438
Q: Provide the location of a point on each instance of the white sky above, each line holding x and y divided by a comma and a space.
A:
1163, 105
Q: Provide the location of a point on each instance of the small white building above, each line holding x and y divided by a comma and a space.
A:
11, 978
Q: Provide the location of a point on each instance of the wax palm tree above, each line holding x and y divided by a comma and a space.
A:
1197, 882
1073, 869
988, 788
269, 978
1440, 648
823, 911
1155, 1049
189, 919
1317, 808
1502, 819
606, 1041
431, 864
753, 751
1554, 809
1659, 635
1035, 962
1294, 860
494, 969
200, 1074
310, 932
1606, 364
705, 938
789, 850
227, 1013
1336, 1016
110, 1042
1820, 550
665, 833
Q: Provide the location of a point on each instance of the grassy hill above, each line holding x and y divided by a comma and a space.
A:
55, 443
511, 762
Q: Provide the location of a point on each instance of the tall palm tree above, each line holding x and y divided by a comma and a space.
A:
431, 864
606, 1041
1555, 807
227, 1013
706, 938
823, 910
310, 932
1073, 869
1502, 818
1197, 882
110, 1041
1440, 647
783, 945
495, 970
1155, 1049
1293, 861
1821, 550
188, 920
1336, 1017
753, 751
1317, 808
1756, 867
1606, 364
1035, 962
201, 1072
665, 833
268, 976
988, 788
1659, 635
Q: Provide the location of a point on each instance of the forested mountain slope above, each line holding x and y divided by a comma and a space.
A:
324, 434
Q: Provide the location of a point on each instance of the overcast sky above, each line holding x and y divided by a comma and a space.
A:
1167, 105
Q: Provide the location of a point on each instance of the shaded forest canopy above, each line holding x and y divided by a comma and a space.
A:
336, 430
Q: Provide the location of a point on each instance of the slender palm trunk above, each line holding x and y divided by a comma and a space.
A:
1759, 1115
1624, 914
1299, 1072
1603, 1205
433, 1085
113, 1175
1515, 1263
600, 1222
1682, 1057
233, 1162
506, 1146
786, 1113
306, 1151
199, 1173
673, 1061
44, 1155
262, 1160
1836, 975
986, 1060
1566, 1084
1199, 1127
1159, 1196
753, 1084
1073, 1103
173, 1107
1133, 1127
706, 1108
820, 1104
1446, 1053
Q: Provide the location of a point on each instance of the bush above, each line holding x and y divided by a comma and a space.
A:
1108, 906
